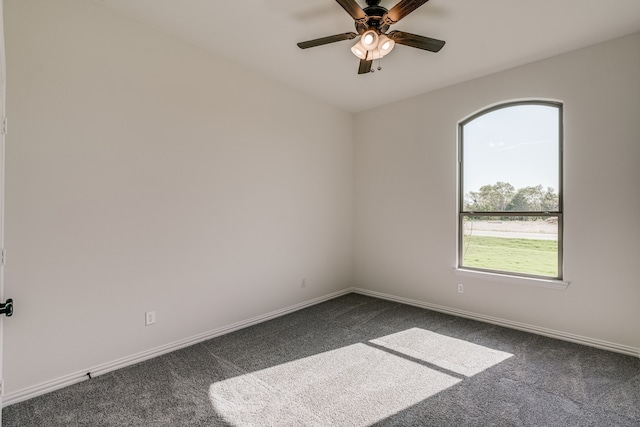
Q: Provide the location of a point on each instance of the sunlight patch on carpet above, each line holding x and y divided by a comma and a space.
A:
452, 354
358, 384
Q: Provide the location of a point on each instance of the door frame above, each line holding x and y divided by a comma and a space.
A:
3, 131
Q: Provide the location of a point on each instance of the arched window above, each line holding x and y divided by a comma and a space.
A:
510, 190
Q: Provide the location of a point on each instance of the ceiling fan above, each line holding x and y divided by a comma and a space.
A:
372, 22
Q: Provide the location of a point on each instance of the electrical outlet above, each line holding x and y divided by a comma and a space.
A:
460, 288
149, 318
303, 283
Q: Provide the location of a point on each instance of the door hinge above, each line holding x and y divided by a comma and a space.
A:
5, 126
6, 308
3, 257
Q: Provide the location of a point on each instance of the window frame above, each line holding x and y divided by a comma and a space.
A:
559, 213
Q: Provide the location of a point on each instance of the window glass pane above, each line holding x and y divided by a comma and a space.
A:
527, 245
511, 160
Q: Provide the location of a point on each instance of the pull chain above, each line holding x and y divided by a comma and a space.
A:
379, 65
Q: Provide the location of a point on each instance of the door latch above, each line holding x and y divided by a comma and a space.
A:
7, 308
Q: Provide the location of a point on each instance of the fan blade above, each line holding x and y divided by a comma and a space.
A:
353, 9
402, 9
365, 66
414, 40
327, 40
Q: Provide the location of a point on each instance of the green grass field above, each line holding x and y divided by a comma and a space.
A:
538, 257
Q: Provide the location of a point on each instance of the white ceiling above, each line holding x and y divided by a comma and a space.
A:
483, 36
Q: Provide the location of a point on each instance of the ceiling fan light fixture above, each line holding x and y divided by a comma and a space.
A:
385, 45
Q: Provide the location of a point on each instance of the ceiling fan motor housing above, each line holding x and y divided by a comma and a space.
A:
374, 12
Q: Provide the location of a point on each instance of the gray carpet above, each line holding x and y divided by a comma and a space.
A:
357, 361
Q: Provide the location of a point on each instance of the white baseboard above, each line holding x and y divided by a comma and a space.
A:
605, 345
67, 380
74, 378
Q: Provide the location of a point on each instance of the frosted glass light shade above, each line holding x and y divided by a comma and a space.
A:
385, 45
369, 40
359, 51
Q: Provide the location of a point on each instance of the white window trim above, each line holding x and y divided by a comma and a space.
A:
513, 280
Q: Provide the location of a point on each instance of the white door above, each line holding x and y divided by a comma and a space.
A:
3, 80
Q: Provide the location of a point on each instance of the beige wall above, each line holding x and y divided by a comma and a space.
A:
144, 174
405, 227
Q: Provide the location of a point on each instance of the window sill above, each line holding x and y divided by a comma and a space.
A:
514, 280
